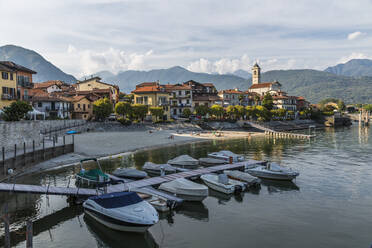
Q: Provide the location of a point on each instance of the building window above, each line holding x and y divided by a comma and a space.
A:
188, 101
40, 104
4, 75
179, 93
5, 90
78, 105
84, 107
145, 99
11, 76
88, 106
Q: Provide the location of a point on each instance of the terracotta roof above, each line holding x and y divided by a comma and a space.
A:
15, 67
98, 79
147, 84
147, 89
48, 84
170, 87
263, 85
231, 91
206, 98
208, 84
300, 98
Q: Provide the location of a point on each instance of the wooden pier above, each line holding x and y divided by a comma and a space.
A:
127, 186
288, 135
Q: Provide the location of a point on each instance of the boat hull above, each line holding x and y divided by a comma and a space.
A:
116, 224
273, 176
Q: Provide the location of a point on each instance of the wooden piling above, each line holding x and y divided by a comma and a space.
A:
29, 234
6, 226
3, 154
33, 150
24, 153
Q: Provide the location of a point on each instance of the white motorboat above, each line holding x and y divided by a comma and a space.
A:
227, 156
186, 189
129, 173
222, 183
211, 161
156, 169
184, 161
273, 171
252, 182
122, 211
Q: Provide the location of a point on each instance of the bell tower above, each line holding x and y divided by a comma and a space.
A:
256, 74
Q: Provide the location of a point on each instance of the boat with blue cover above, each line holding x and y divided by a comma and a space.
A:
122, 211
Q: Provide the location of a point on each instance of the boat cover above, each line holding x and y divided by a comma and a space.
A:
116, 200
275, 167
211, 161
222, 178
129, 172
182, 184
152, 166
228, 153
183, 159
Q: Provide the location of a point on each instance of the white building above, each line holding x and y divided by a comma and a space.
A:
181, 98
53, 107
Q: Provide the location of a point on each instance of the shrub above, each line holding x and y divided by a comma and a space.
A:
16, 111
124, 121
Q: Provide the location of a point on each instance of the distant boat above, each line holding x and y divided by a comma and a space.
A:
244, 177
91, 177
226, 155
130, 173
211, 161
273, 171
72, 132
122, 211
184, 161
185, 189
155, 169
222, 183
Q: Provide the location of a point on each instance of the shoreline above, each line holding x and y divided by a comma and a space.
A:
73, 159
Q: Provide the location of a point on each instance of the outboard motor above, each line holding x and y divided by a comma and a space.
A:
238, 189
171, 204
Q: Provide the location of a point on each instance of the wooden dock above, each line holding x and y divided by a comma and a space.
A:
127, 186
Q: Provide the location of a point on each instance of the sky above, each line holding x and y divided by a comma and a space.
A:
86, 36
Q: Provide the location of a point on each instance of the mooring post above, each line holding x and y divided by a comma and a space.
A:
24, 153
3, 153
54, 146
33, 150
15, 155
6, 226
43, 148
64, 144
29, 234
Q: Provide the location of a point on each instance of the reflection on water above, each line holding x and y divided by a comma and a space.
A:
110, 238
328, 206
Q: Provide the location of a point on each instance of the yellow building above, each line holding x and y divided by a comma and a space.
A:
82, 107
95, 84
8, 86
153, 95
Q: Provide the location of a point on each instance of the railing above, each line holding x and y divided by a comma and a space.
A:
26, 84
8, 97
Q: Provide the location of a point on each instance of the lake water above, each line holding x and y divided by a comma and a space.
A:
330, 204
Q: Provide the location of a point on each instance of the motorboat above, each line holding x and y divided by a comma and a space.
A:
158, 169
129, 173
273, 171
122, 211
227, 156
186, 189
222, 183
91, 177
211, 161
184, 161
252, 182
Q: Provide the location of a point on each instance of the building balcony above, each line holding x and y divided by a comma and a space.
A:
164, 103
26, 84
8, 97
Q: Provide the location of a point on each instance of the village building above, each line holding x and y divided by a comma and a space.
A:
181, 98
15, 82
230, 97
153, 94
51, 86
202, 93
95, 85
53, 106
81, 107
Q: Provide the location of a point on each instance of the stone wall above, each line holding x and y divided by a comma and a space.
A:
12, 133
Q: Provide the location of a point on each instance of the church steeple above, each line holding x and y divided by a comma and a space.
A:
256, 74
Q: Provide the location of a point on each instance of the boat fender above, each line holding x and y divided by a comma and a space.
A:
238, 189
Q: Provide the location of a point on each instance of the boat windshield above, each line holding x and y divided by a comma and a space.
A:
117, 200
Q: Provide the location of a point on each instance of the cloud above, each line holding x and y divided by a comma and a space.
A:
354, 55
221, 66
114, 60
355, 35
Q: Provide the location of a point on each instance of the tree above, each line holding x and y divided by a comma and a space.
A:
158, 112
102, 108
231, 111
16, 111
217, 111
186, 112
240, 111
249, 111
268, 102
257, 99
262, 113
139, 111
202, 110
124, 109
368, 107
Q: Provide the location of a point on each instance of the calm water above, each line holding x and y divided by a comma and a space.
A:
330, 204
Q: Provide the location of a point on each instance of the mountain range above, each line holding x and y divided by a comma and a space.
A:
351, 81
